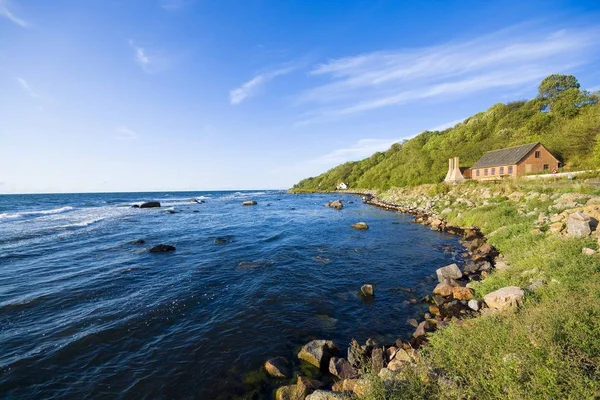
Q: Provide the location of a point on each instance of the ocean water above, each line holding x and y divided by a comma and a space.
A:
86, 314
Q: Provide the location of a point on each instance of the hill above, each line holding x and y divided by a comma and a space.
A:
563, 117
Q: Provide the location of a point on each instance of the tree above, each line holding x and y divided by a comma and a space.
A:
555, 84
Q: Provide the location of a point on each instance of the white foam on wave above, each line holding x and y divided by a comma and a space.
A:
81, 224
34, 213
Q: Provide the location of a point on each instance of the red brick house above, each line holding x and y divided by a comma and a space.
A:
514, 161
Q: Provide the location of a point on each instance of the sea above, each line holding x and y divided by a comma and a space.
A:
86, 311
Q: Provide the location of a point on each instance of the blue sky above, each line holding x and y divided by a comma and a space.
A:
134, 95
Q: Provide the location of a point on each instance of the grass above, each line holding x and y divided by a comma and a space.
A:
549, 349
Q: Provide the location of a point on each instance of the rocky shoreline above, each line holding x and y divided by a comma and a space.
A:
451, 300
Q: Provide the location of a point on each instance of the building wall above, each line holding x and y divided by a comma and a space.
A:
537, 164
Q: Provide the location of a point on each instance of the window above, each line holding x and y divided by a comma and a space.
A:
510, 170
546, 167
501, 170
485, 172
477, 172
493, 171
538, 154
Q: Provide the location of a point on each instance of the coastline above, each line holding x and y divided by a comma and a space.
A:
458, 300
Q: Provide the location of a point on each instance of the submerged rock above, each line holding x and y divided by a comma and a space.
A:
161, 248
318, 353
249, 203
137, 241
150, 204
278, 367
360, 226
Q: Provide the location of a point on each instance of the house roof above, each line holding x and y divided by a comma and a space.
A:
511, 155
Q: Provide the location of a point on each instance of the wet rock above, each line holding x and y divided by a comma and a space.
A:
462, 293
507, 298
318, 353
579, 225
445, 287
448, 272
325, 395
336, 204
435, 310
135, 206
249, 203
289, 392
360, 226
171, 212
307, 385
413, 322
150, 204
161, 248
341, 368
278, 367
367, 290
137, 241
223, 240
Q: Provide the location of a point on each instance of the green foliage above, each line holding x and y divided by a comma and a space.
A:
564, 118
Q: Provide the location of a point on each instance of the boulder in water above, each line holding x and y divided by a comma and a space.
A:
360, 226
318, 353
249, 203
335, 204
161, 248
278, 367
137, 241
367, 290
150, 204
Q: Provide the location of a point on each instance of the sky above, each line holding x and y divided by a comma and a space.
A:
155, 95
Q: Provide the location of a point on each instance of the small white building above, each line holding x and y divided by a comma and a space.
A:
342, 186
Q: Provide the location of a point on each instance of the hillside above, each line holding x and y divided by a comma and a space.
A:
563, 117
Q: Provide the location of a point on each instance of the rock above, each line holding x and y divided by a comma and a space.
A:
346, 385
278, 367
484, 266
501, 265
448, 272
135, 206
395, 365
556, 227
367, 290
249, 203
486, 250
362, 387
161, 248
413, 322
223, 240
445, 287
307, 385
150, 204
587, 251
357, 356
361, 226
462, 293
435, 310
422, 329
137, 241
376, 360
324, 395
341, 368
538, 283
403, 356
336, 204
507, 298
390, 352
318, 353
473, 305
579, 225
289, 392
470, 267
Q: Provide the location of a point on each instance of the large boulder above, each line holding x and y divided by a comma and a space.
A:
445, 287
150, 204
161, 248
289, 392
318, 353
346, 385
336, 204
249, 203
278, 367
341, 368
377, 360
579, 225
462, 293
448, 272
507, 298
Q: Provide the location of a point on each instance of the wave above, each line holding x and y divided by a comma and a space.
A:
33, 213
81, 224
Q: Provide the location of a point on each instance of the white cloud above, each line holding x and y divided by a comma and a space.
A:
254, 85
140, 56
124, 133
513, 57
6, 13
27, 88
359, 150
